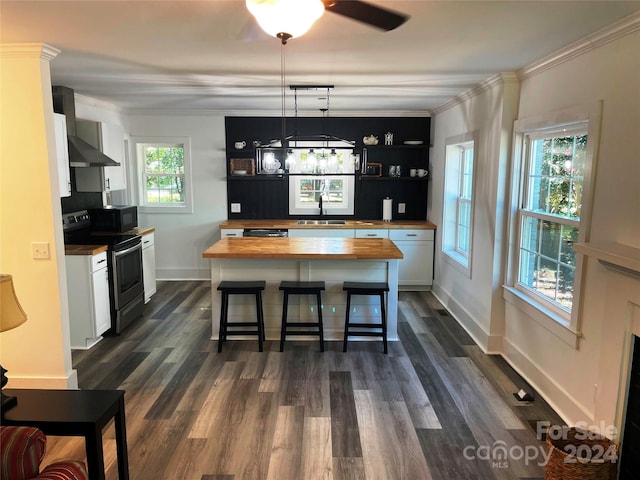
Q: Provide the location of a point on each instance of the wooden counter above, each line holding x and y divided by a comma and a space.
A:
309, 248
332, 260
84, 249
292, 223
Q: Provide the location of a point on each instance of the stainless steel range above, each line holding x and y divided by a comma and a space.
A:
124, 259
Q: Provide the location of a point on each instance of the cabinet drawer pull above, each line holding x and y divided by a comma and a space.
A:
371, 235
102, 261
232, 235
412, 235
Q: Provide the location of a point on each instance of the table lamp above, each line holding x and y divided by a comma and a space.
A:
11, 316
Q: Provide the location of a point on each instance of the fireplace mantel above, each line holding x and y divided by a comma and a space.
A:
616, 256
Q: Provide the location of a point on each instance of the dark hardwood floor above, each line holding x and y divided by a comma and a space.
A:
434, 407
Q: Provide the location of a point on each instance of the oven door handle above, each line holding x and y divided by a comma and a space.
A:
130, 249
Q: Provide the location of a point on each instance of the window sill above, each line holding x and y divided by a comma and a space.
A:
166, 209
552, 322
458, 262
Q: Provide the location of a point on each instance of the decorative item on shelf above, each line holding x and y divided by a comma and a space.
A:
256, 143
413, 172
388, 138
374, 169
370, 140
11, 316
413, 142
239, 165
240, 145
398, 170
422, 172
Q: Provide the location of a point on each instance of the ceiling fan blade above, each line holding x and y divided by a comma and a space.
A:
365, 12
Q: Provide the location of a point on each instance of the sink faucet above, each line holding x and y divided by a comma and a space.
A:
320, 205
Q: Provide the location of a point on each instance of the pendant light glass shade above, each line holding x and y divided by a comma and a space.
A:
294, 17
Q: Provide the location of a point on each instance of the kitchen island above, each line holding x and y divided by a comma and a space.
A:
332, 260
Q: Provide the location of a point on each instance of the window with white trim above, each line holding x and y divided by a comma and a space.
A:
549, 213
164, 181
325, 173
458, 200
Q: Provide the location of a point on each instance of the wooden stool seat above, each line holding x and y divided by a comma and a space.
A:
366, 329
301, 288
241, 288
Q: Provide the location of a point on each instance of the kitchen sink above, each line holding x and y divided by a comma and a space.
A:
321, 222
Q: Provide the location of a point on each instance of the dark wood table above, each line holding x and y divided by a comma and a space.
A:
75, 413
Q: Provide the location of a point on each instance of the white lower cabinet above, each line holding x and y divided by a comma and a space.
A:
148, 265
88, 292
416, 268
231, 232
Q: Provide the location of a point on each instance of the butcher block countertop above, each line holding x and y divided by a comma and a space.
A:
396, 224
84, 249
140, 231
309, 248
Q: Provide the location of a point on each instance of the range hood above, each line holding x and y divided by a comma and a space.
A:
81, 153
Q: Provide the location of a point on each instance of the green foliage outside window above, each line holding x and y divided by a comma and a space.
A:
555, 185
164, 174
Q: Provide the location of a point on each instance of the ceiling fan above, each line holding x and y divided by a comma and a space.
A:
292, 18
367, 13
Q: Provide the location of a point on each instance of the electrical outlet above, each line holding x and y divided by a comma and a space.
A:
401, 207
40, 250
235, 208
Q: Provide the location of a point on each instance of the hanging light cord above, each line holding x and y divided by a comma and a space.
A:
282, 93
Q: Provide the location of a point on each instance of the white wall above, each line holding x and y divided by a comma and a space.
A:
574, 378
583, 383
181, 238
476, 301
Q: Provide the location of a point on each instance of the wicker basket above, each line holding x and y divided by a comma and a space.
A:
580, 455
243, 164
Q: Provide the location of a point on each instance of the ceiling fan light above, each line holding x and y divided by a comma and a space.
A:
294, 17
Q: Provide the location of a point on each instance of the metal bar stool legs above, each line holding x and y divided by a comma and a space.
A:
301, 288
375, 329
241, 288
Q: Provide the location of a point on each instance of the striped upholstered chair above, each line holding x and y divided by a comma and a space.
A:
22, 451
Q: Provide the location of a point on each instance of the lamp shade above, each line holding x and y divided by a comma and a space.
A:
11, 313
294, 17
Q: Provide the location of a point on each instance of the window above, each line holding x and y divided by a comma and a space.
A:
163, 174
458, 200
325, 181
550, 211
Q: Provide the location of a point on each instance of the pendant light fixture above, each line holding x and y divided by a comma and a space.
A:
291, 17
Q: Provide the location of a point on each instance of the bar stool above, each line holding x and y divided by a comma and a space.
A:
241, 288
379, 329
301, 288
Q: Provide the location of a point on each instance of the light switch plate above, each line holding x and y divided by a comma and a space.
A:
401, 207
40, 250
235, 208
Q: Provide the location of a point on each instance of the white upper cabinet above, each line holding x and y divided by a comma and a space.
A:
109, 139
62, 154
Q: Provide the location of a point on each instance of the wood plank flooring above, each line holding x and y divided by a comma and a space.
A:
434, 408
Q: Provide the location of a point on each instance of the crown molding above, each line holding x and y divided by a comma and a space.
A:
503, 78
40, 50
616, 30
268, 113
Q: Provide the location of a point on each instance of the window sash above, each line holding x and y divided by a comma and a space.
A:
548, 221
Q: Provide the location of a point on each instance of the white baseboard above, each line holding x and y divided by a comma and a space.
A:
490, 344
569, 409
183, 274
70, 382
